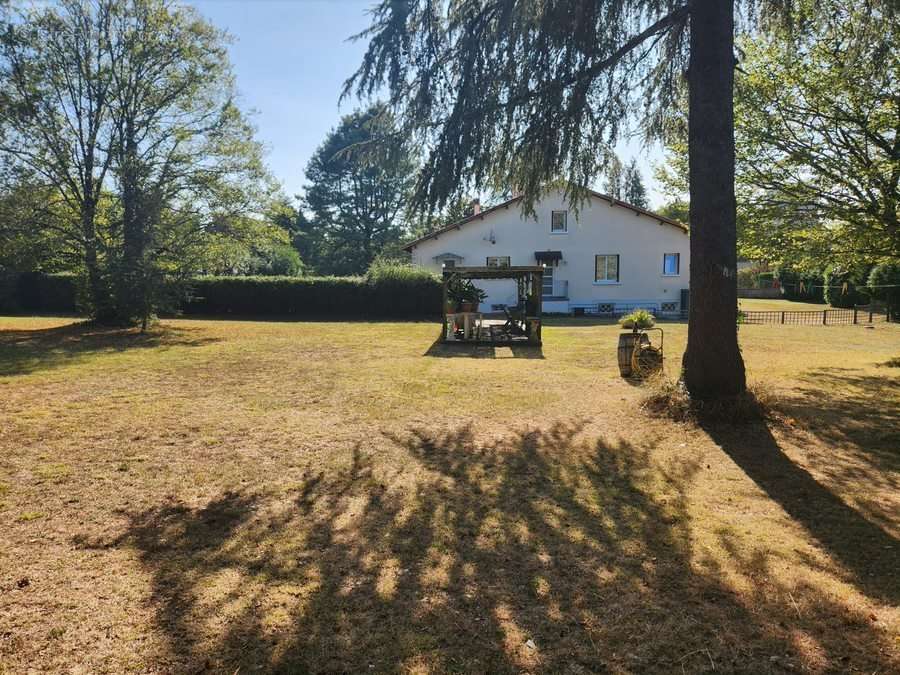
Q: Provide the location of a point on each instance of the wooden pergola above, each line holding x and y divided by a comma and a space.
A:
522, 323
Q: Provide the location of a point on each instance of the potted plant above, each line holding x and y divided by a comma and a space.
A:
638, 320
636, 342
464, 296
474, 297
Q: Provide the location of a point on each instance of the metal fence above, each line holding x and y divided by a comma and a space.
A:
826, 317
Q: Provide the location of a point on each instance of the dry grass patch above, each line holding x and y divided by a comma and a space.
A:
668, 398
349, 497
776, 305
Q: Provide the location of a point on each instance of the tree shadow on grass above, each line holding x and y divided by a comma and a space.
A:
28, 351
542, 550
869, 556
857, 412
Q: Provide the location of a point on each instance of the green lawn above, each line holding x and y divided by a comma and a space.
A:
350, 497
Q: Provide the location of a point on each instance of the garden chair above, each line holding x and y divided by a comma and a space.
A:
515, 321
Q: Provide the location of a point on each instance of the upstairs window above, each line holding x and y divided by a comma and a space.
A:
606, 269
558, 222
498, 261
671, 264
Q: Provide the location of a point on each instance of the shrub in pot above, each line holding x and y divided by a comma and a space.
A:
464, 295
640, 319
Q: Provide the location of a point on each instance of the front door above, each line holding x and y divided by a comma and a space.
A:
547, 290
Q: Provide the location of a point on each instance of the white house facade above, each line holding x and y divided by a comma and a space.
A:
609, 258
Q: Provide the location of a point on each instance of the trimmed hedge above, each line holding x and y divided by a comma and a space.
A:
34, 292
409, 295
314, 297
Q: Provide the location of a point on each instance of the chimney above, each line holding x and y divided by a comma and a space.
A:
476, 206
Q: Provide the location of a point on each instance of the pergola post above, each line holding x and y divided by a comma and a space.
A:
445, 280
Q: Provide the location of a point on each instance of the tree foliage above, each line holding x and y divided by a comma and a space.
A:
884, 285
676, 209
614, 184
507, 95
818, 139
123, 112
358, 193
634, 190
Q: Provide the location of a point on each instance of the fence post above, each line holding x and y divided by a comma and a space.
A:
782, 317
854, 316
870, 315
824, 317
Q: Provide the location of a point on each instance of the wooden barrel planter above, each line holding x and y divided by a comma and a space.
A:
626, 350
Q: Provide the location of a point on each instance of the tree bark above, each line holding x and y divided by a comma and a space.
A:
95, 286
713, 367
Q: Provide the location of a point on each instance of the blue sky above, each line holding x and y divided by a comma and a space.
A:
291, 58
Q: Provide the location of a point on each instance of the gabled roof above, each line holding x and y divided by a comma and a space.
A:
505, 205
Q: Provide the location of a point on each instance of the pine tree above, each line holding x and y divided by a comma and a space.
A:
359, 184
615, 180
498, 96
635, 193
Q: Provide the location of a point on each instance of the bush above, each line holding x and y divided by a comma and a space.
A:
397, 289
277, 261
380, 295
887, 275
747, 278
385, 270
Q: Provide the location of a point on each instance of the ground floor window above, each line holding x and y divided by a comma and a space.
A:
671, 264
547, 282
606, 268
498, 261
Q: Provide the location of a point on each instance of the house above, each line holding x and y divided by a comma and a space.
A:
610, 257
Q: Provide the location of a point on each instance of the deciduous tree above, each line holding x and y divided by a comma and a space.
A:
818, 130
132, 102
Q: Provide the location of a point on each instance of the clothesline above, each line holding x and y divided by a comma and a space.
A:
802, 285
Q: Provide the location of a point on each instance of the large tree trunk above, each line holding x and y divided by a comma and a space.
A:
713, 366
130, 278
96, 288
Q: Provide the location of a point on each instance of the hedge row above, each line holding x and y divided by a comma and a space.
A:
315, 296
35, 292
348, 297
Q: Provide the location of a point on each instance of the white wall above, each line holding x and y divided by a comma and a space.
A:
639, 240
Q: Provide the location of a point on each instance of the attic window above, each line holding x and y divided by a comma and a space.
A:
559, 222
